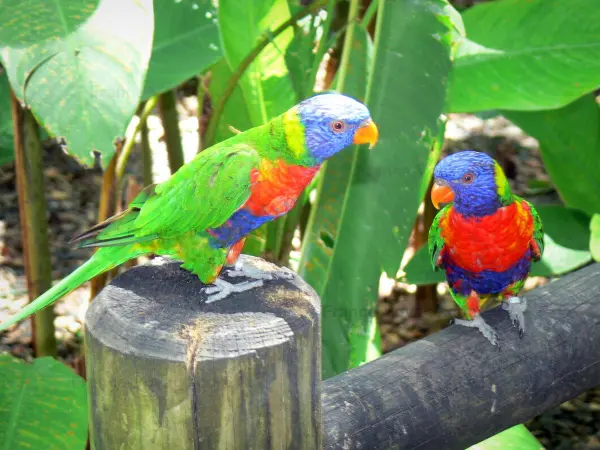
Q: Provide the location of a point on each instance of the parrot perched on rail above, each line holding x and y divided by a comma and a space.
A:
204, 211
484, 237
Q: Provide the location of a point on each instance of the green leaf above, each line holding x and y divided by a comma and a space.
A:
85, 82
515, 438
569, 140
325, 221
235, 114
27, 23
529, 55
186, 42
406, 96
299, 58
266, 84
595, 236
43, 405
7, 152
566, 238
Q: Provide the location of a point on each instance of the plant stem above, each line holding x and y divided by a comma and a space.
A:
167, 105
146, 153
345, 61
34, 225
426, 300
369, 13
108, 202
241, 69
130, 140
322, 46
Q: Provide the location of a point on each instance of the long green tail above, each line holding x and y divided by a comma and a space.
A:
101, 261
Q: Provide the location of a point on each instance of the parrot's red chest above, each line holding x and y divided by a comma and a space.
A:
276, 186
495, 242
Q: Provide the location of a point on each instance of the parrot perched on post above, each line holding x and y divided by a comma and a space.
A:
204, 211
484, 237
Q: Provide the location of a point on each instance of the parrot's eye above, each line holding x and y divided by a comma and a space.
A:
468, 178
338, 126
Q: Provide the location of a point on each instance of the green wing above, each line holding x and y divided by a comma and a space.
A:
435, 241
537, 245
202, 194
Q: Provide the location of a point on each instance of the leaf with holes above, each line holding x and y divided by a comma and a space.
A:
186, 41
411, 62
569, 140
566, 239
43, 405
528, 55
324, 223
84, 82
266, 84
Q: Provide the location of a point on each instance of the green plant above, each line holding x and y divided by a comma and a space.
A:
43, 405
255, 59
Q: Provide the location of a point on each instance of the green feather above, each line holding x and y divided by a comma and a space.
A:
435, 241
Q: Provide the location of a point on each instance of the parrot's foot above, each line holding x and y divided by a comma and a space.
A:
481, 325
223, 289
241, 270
516, 307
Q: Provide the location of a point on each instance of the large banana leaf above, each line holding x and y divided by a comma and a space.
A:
526, 55
406, 97
569, 140
85, 79
265, 85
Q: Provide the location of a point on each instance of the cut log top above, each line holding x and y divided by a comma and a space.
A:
159, 310
166, 370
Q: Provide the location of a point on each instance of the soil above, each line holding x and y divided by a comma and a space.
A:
72, 195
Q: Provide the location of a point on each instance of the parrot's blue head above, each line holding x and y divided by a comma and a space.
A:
474, 181
334, 121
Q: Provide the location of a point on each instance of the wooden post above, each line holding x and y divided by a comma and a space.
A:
166, 370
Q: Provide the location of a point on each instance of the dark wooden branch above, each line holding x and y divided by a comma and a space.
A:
166, 370
453, 389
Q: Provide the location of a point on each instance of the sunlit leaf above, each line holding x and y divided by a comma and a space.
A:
526, 55
515, 438
186, 41
569, 140
84, 82
595, 236
266, 85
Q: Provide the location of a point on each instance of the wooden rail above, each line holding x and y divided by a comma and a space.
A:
167, 371
453, 389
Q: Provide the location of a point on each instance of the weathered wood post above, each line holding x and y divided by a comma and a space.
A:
166, 370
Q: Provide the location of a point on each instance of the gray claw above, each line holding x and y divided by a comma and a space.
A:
515, 307
482, 326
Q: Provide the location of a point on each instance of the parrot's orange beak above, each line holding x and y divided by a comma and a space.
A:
367, 134
441, 194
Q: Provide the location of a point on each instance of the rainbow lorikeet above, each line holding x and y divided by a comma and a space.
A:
203, 212
484, 238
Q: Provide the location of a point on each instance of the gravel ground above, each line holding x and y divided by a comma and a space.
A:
72, 196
